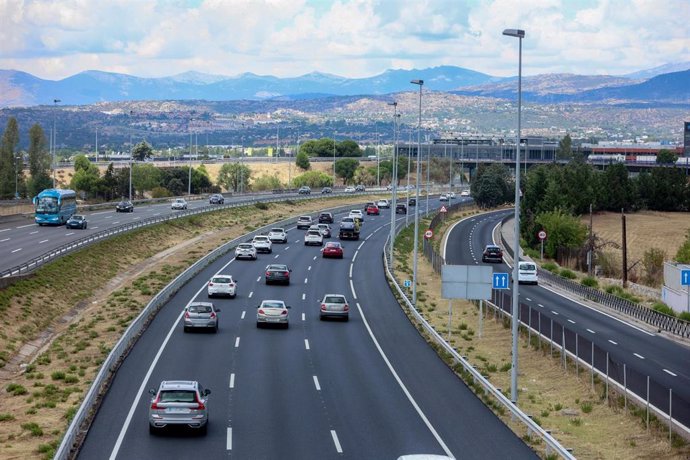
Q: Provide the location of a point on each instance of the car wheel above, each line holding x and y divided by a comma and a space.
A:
346, 319
203, 430
270, 251
153, 430
185, 329
85, 225
287, 325
215, 329
320, 317
210, 296
267, 283
258, 325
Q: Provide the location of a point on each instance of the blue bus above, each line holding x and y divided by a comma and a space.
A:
55, 206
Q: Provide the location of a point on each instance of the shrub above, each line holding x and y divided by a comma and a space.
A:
6, 417
685, 316
568, 274
58, 375
663, 308
550, 266
160, 192
590, 281
261, 205
33, 428
586, 407
16, 389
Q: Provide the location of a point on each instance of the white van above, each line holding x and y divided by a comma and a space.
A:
527, 273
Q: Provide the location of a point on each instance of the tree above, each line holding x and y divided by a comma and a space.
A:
142, 151
615, 191
86, 177
349, 148
313, 179
683, 254
563, 229
302, 161
39, 161
565, 148
145, 177
665, 157
345, 169
8, 168
365, 176
491, 185
234, 176
266, 182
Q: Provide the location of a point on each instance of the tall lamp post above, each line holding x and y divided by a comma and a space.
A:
394, 175
519, 34
54, 138
131, 151
334, 159
189, 181
428, 170
416, 213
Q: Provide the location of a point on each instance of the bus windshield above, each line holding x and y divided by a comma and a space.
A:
47, 205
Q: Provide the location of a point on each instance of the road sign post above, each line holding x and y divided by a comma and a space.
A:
542, 236
685, 281
428, 234
499, 281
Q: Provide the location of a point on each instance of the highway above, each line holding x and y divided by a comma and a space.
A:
644, 353
367, 388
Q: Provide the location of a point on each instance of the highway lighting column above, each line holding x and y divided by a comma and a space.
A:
519, 34
416, 214
189, 181
54, 139
428, 171
130, 167
334, 159
394, 177
409, 165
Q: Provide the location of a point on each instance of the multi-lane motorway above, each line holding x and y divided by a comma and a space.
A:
644, 352
367, 388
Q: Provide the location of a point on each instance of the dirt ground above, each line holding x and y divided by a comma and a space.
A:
554, 396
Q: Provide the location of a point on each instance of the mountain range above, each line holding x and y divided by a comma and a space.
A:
665, 84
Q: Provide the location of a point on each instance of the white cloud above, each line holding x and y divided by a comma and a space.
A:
353, 38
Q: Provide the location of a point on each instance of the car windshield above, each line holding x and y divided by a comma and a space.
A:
200, 308
245, 246
77, 217
333, 245
282, 268
260, 238
221, 279
277, 230
184, 396
47, 205
530, 267
272, 304
334, 299
304, 218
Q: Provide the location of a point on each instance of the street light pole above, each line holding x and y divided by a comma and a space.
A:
334, 159
394, 177
520, 34
189, 181
54, 136
416, 214
409, 165
428, 171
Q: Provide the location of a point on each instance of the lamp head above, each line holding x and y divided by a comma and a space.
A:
514, 33
417, 82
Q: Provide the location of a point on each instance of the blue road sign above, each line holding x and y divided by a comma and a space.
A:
407, 283
500, 281
685, 277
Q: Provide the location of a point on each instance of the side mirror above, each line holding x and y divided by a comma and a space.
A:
206, 392
152, 392
217, 310
288, 306
290, 270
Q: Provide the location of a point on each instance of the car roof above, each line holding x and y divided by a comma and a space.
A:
304, 217
277, 229
260, 236
272, 300
276, 267
201, 303
179, 385
334, 243
492, 246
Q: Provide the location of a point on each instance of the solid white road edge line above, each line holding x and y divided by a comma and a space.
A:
336, 442
144, 382
638, 355
352, 288
402, 385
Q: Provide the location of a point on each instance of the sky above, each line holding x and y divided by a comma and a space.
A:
53, 39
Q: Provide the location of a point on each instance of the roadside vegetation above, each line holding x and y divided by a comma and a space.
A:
559, 399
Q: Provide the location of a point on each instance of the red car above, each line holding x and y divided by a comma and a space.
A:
372, 209
332, 249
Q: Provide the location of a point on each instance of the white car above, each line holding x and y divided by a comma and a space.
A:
451, 195
277, 235
179, 203
272, 312
527, 273
349, 190
245, 251
357, 214
313, 237
383, 204
262, 244
222, 285
304, 222
465, 193
443, 198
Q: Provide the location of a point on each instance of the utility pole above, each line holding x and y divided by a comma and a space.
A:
590, 255
625, 250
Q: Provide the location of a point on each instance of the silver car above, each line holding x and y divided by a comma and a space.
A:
222, 285
179, 203
334, 306
272, 312
179, 402
245, 251
201, 315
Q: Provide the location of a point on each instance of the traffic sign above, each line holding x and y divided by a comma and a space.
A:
443, 209
499, 281
542, 235
407, 283
429, 234
685, 277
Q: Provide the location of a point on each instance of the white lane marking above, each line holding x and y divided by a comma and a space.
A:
360, 245
157, 214
303, 317
286, 248
336, 442
70, 233
309, 268
351, 270
296, 241
306, 344
591, 331
354, 256
33, 233
352, 288
571, 321
258, 279
5, 230
276, 256
598, 311
540, 305
228, 441
250, 295
42, 241
99, 213
16, 250
670, 373
306, 280
304, 296
243, 313
314, 258
94, 228
638, 355
232, 380
237, 342
116, 222
528, 299
402, 385
24, 226
554, 312
316, 383
615, 343
108, 217
7, 239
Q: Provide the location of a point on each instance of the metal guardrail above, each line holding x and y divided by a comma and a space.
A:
72, 246
71, 442
657, 319
532, 427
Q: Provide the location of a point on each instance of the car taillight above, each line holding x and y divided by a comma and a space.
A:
200, 404
232, 284
286, 273
347, 307
284, 312
268, 273
186, 314
213, 314
261, 311
154, 403
210, 284
323, 306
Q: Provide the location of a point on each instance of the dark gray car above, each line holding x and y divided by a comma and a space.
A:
201, 315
